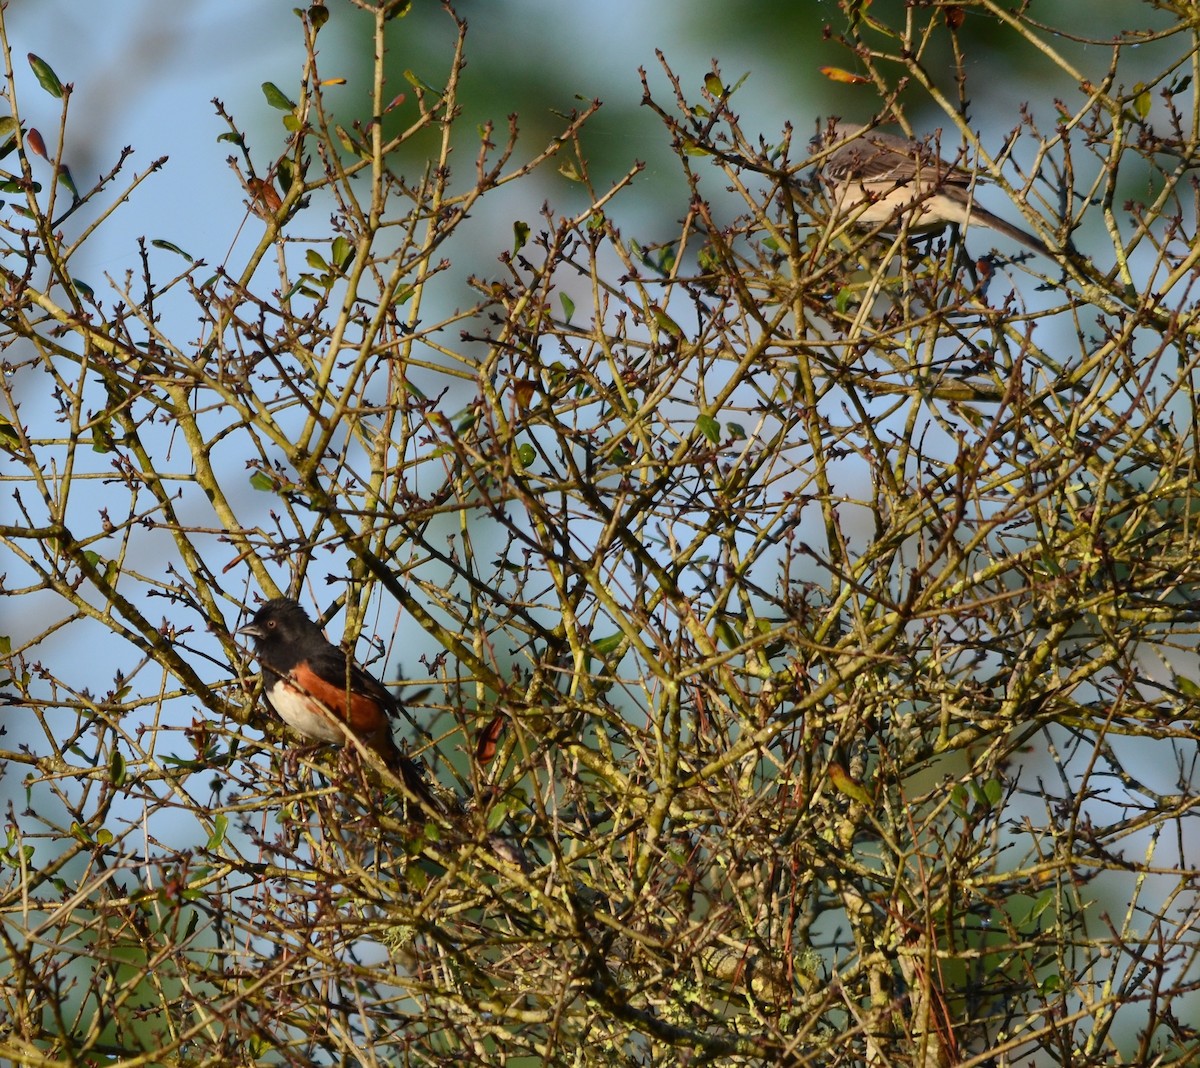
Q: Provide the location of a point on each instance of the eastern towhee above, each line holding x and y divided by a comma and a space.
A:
317, 687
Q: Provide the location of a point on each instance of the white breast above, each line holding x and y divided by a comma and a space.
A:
305, 715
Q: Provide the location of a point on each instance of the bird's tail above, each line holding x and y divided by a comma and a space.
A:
975, 215
416, 785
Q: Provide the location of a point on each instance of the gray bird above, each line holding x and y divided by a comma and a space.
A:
877, 178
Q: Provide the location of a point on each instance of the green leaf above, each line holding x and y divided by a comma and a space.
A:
8, 135
714, 86
737, 85
64, 176
342, 252
276, 97
46, 76
158, 242
314, 259
520, 236
220, 825
1141, 100
102, 440
1052, 984
1187, 687
285, 171
848, 786
318, 15
297, 288
958, 799
727, 636
413, 80
11, 185
709, 427
116, 768
498, 814
568, 306
348, 142
1044, 901
263, 482
665, 323
604, 647
526, 454
993, 790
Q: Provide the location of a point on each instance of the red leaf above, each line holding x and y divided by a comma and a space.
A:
485, 747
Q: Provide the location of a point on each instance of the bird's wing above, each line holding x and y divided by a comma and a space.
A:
330, 663
876, 157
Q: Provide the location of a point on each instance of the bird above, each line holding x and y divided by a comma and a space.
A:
877, 178
322, 694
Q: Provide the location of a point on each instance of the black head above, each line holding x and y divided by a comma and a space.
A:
280, 620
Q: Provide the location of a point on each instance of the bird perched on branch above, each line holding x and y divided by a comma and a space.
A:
878, 178
322, 694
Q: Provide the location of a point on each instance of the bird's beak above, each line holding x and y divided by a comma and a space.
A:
252, 630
